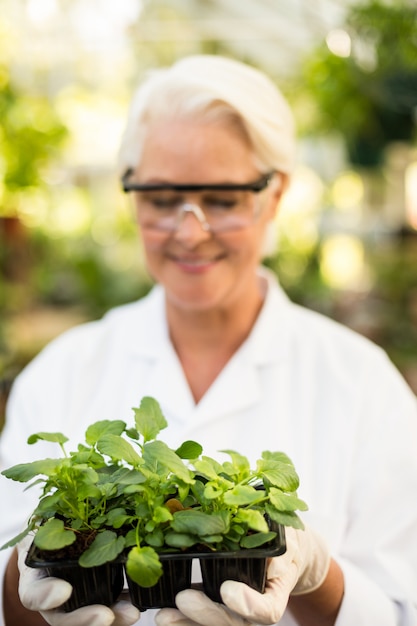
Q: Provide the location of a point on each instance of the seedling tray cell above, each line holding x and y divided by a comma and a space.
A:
175, 578
91, 585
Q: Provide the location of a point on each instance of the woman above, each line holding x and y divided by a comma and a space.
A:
207, 154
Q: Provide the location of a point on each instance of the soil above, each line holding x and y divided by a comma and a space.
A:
80, 545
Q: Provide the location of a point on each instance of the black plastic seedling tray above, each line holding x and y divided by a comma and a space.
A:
103, 584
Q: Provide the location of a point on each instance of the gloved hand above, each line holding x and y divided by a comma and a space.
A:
301, 569
46, 594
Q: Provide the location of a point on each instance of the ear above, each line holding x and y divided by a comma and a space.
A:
278, 186
133, 205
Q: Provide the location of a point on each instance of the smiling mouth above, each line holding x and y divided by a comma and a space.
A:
195, 264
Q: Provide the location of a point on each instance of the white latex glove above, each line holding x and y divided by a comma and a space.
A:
301, 569
45, 594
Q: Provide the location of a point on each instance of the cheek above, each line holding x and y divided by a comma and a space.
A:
248, 245
153, 244
152, 255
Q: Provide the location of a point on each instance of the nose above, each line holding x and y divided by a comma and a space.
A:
192, 226
197, 211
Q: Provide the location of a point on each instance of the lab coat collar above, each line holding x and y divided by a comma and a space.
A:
267, 344
269, 339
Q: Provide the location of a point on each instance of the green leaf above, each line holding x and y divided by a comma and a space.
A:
131, 489
143, 566
48, 504
105, 547
118, 448
88, 490
183, 491
208, 467
115, 513
155, 538
82, 479
132, 433
212, 491
286, 502
286, 518
240, 462
53, 535
23, 472
97, 522
235, 528
212, 538
242, 495
257, 539
235, 534
158, 453
52, 437
118, 517
281, 457
287, 480
161, 515
254, 519
230, 545
103, 427
89, 456
130, 538
108, 490
76, 524
127, 476
142, 510
149, 419
83, 473
197, 489
278, 473
199, 523
189, 450
180, 540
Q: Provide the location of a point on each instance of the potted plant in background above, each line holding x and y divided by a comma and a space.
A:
124, 499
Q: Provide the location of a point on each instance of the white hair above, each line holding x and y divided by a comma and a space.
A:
214, 88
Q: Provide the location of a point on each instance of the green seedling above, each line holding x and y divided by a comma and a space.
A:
127, 495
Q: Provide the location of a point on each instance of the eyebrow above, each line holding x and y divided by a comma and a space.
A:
257, 185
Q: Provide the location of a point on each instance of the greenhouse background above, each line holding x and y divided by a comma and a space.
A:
346, 235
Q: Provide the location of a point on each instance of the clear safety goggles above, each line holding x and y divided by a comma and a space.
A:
219, 207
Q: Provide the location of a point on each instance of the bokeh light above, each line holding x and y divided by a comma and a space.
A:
347, 191
95, 122
300, 210
411, 194
338, 41
343, 262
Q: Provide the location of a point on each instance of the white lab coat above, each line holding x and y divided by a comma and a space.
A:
300, 383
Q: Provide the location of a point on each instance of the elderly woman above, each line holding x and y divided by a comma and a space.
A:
206, 156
